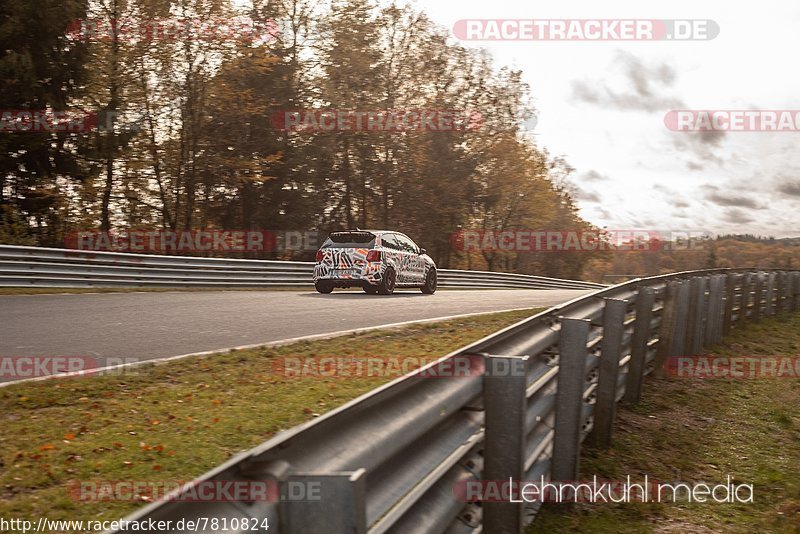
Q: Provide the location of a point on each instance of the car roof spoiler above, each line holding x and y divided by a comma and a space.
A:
357, 236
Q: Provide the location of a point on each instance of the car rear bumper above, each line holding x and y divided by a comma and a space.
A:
369, 274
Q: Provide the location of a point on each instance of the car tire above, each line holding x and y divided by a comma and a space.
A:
431, 282
323, 286
388, 282
370, 289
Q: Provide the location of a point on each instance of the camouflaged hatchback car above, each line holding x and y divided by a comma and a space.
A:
378, 261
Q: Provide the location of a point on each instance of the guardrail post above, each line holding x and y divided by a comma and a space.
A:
712, 310
731, 280
681, 320
332, 502
715, 296
691, 314
758, 296
769, 307
610, 352
702, 315
796, 291
786, 291
569, 398
721, 305
694, 343
642, 331
744, 300
666, 336
774, 280
505, 405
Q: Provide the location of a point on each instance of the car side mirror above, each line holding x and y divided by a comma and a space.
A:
422, 251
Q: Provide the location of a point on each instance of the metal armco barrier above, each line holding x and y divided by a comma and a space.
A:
54, 267
391, 460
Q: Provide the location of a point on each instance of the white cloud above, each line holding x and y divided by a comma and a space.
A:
602, 105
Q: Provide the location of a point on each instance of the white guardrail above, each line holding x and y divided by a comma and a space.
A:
54, 267
393, 460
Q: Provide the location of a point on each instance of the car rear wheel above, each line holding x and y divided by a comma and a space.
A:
388, 282
323, 286
431, 282
370, 290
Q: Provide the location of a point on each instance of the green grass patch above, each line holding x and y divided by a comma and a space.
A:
695, 431
174, 421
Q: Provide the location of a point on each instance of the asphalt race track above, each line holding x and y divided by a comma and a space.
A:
114, 328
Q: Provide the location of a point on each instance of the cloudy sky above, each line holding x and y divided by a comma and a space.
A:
602, 106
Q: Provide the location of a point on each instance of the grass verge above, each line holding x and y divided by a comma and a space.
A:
695, 431
176, 420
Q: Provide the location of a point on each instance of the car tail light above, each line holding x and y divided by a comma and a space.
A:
319, 255
373, 256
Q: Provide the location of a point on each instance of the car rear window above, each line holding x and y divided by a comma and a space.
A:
350, 240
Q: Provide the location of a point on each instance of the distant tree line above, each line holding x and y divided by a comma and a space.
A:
725, 251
